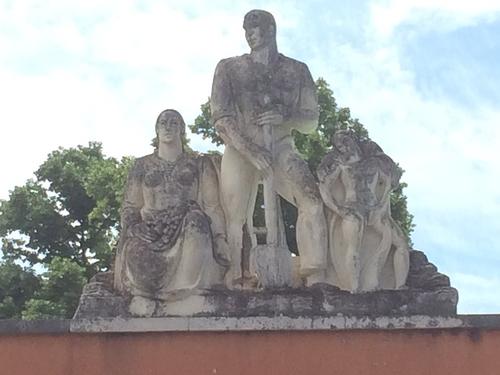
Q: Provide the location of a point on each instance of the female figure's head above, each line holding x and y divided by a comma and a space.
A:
170, 127
346, 143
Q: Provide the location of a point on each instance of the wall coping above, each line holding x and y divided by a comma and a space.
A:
26, 327
279, 323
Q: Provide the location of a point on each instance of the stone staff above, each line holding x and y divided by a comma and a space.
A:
271, 204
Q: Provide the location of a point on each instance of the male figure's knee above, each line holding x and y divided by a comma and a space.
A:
310, 202
307, 192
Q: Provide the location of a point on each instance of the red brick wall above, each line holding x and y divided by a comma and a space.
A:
408, 352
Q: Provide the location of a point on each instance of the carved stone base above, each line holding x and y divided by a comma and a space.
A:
272, 265
319, 300
428, 293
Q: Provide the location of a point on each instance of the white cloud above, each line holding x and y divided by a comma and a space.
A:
126, 67
103, 71
430, 14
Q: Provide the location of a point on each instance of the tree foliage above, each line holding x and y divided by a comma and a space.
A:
203, 125
17, 286
313, 147
70, 210
59, 293
64, 222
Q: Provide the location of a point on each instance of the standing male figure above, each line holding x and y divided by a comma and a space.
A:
266, 89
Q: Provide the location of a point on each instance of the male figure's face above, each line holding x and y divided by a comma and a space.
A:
255, 37
169, 128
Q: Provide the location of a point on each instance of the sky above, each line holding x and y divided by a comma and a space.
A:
421, 75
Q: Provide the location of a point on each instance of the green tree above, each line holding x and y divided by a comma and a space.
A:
313, 147
64, 221
331, 118
60, 291
70, 210
203, 125
43, 309
17, 286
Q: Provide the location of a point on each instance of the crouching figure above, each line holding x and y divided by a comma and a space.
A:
367, 249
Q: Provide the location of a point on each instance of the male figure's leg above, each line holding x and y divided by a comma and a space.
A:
295, 182
239, 180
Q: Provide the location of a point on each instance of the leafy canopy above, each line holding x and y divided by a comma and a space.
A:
70, 210
64, 222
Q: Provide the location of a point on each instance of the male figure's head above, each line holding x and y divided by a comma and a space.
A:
260, 29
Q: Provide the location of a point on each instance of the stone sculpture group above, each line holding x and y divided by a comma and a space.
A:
184, 216
186, 225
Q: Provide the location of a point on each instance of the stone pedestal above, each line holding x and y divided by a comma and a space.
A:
427, 293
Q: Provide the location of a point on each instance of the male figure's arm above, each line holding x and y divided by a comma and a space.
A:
209, 196
224, 118
304, 117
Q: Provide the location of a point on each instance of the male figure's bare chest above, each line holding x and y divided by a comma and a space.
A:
264, 87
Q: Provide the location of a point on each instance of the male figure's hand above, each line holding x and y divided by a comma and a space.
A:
261, 159
271, 118
259, 156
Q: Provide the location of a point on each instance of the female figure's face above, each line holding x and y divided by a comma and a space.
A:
348, 147
169, 128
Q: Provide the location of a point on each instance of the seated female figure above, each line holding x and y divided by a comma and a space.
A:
173, 229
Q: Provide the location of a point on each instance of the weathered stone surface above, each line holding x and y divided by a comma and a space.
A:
272, 265
423, 274
172, 238
263, 323
336, 322
257, 100
98, 300
440, 301
16, 326
187, 242
367, 249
